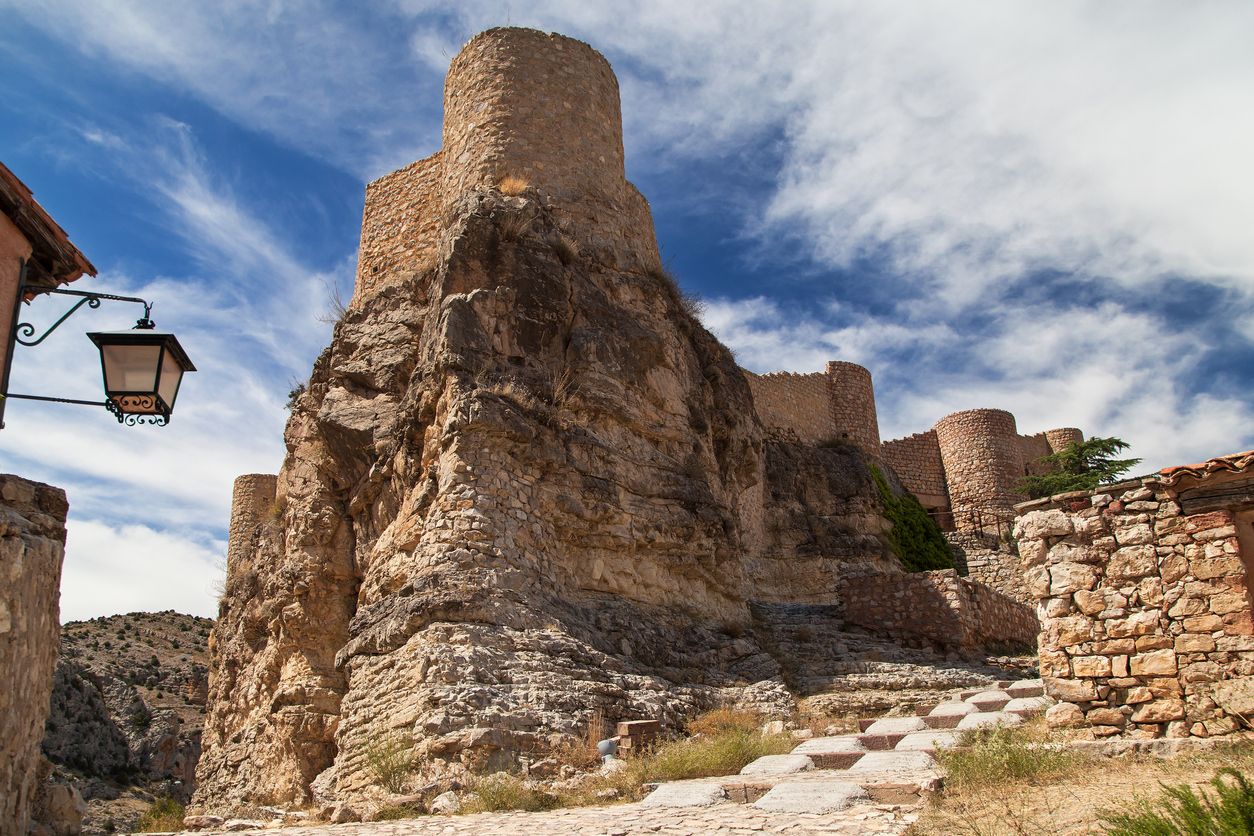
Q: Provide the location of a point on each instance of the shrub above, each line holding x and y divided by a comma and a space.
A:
725, 753
581, 753
1080, 466
1180, 810
990, 757
162, 815
502, 792
915, 537
390, 760
397, 812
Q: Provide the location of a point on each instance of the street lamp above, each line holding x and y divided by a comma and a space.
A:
142, 367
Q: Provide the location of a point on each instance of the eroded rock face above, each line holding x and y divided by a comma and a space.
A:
523, 485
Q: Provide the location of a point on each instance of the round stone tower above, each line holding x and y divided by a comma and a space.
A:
853, 405
1062, 438
983, 462
252, 503
544, 109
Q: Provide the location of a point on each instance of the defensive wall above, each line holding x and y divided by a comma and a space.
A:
965, 470
503, 96
1144, 594
936, 609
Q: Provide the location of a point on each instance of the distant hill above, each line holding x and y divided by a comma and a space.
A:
128, 705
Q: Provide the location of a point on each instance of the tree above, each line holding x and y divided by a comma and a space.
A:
1080, 466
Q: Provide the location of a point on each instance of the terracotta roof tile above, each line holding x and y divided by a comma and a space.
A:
1231, 463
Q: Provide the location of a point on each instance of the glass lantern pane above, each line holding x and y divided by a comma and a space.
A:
130, 368
171, 374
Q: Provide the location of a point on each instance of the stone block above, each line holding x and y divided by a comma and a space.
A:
1137, 694
1106, 717
1159, 711
1137, 624
1091, 666
778, 765
813, 797
1135, 535
1147, 643
1194, 643
1064, 715
1090, 602
684, 794
894, 762
1066, 578
1154, 663
1036, 582
1070, 690
1037, 525
1229, 602
988, 719
1132, 562
1054, 663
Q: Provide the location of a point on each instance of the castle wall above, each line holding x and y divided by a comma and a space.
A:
938, 609
983, 459
400, 226
32, 548
917, 461
853, 405
794, 405
545, 108
252, 503
1144, 598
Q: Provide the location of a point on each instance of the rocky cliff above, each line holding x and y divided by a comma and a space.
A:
524, 483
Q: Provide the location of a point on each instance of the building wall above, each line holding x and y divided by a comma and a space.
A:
917, 461
14, 248
1145, 610
853, 405
938, 609
32, 547
794, 405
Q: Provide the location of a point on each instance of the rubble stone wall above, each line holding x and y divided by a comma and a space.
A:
1145, 609
940, 608
32, 547
853, 405
794, 405
983, 462
400, 225
917, 462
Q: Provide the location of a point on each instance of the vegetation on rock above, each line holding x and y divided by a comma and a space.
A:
163, 816
915, 537
1080, 466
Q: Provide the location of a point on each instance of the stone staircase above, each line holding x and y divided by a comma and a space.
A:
891, 760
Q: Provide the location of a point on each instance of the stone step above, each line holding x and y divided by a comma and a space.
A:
812, 797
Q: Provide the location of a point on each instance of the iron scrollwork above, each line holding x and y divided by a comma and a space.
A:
154, 411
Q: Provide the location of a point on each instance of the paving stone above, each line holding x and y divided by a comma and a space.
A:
840, 743
1026, 688
986, 719
989, 700
1028, 705
893, 762
685, 794
933, 739
811, 797
778, 765
896, 725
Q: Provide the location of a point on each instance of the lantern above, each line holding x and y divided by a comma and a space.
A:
142, 372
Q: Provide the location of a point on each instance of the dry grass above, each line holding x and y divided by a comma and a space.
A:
513, 185
823, 724
565, 248
164, 815
390, 760
724, 741
1006, 785
581, 753
514, 225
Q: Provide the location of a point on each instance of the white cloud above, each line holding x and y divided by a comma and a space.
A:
133, 568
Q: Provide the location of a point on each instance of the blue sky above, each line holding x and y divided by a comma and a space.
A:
1039, 207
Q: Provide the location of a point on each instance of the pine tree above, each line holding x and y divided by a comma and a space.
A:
1080, 466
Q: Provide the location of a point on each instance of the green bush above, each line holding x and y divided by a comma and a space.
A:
1182, 812
915, 538
390, 760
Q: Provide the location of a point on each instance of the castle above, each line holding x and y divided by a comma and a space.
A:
965, 470
525, 486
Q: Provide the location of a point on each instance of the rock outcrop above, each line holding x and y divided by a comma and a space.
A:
524, 483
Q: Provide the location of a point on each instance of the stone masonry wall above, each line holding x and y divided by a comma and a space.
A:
794, 405
917, 461
252, 502
1144, 609
399, 227
32, 547
939, 608
983, 465
852, 402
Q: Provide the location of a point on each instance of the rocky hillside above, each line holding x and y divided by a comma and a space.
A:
127, 709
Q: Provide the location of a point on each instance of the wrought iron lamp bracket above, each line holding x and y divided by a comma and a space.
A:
25, 330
